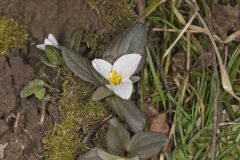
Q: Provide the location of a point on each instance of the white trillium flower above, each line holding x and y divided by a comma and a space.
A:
51, 41
119, 73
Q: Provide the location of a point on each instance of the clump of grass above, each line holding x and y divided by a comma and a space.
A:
203, 110
12, 35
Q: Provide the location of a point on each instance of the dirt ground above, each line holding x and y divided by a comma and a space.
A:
20, 129
19, 118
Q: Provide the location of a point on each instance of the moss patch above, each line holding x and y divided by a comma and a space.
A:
12, 35
79, 115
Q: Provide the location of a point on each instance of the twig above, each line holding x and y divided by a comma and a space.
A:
16, 121
95, 128
43, 109
163, 79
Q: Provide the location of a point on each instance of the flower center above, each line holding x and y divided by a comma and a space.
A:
115, 78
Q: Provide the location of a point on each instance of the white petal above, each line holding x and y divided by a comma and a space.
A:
52, 38
123, 90
48, 42
51, 43
127, 65
103, 67
41, 46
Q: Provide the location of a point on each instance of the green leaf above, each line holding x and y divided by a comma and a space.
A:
117, 138
132, 40
53, 56
128, 112
90, 155
81, 67
76, 39
107, 156
179, 154
146, 144
31, 88
100, 93
40, 94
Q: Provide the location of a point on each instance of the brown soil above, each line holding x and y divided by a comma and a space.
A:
19, 118
59, 17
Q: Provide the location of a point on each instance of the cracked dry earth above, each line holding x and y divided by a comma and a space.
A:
21, 134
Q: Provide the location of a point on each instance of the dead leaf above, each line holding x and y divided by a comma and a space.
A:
159, 124
2, 148
158, 121
151, 111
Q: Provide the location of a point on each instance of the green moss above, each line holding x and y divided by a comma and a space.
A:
79, 114
12, 35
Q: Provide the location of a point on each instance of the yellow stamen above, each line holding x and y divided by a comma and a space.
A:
115, 78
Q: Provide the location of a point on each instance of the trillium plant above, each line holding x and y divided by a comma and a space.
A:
112, 74
118, 74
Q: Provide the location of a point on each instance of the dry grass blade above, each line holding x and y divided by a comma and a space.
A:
230, 38
180, 35
174, 30
191, 29
178, 15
